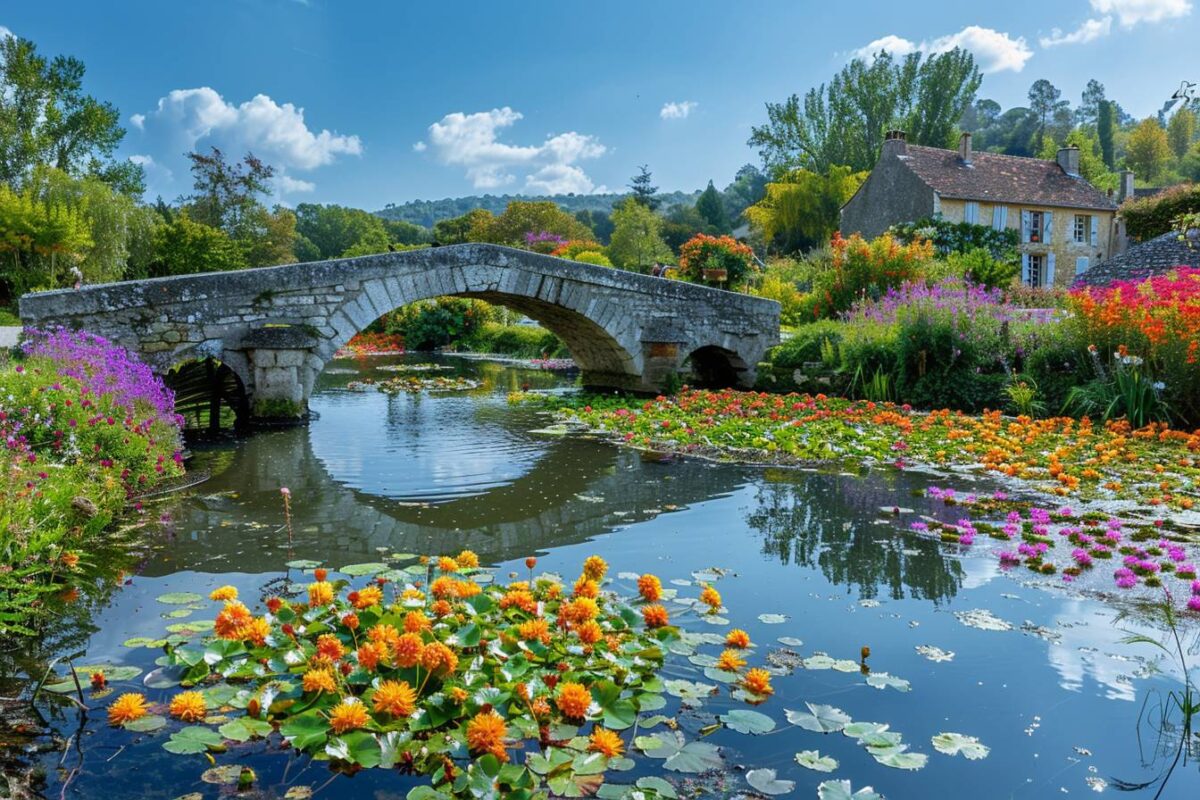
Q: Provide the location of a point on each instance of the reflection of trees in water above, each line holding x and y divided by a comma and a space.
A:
826, 522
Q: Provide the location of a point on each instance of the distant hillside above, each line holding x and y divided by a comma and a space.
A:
427, 212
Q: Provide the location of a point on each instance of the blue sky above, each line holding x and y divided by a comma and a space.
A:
365, 103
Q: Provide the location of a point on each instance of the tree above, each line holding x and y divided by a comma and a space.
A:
802, 212
1045, 101
524, 217
1088, 112
1181, 130
334, 229
681, 223
184, 246
748, 187
225, 191
845, 121
1147, 150
637, 242
643, 189
599, 221
466, 228
711, 208
1091, 165
1106, 128
983, 113
268, 237
47, 120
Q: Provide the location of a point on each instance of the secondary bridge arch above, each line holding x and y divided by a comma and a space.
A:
277, 327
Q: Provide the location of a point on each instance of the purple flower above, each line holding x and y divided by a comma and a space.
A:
1125, 578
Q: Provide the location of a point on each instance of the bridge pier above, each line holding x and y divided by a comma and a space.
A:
284, 366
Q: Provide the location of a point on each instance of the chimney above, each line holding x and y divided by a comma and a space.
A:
1068, 159
895, 142
1126, 188
964, 148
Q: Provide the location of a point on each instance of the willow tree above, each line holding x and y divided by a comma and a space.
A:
801, 211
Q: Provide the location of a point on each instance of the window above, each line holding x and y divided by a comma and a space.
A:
999, 217
1081, 265
1036, 223
1035, 274
971, 212
1083, 228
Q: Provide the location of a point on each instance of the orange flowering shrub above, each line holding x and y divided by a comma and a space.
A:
703, 252
866, 269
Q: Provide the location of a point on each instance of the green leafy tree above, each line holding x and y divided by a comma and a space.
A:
525, 217
681, 223
226, 192
47, 120
268, 237
1088, 113
406, 233
1091, 164
1181, 131
599, 221
637, 242
712, 209
643, 189
334, 229
1045, 101
469, 227
1106, 130
844, 122
1147, 151
802, 211
748, 187
183, 247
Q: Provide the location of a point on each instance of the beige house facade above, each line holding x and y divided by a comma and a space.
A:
1064, 224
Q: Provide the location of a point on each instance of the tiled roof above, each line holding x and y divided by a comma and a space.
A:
995, 178
1151, 257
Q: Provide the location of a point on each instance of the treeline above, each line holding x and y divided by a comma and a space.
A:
428, 213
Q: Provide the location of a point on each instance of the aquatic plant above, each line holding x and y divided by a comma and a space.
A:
443, 673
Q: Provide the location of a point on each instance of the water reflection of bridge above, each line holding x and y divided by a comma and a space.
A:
575, 491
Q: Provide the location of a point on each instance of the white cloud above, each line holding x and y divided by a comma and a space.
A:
190, 119
420, 147
680, 110
5, 32
1089, 31
472, 141
285, 184
994, 51
277, 133
1131, 12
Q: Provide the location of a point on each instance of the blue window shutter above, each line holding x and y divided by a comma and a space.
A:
1026, 223
1048, 225
1025, 267
1003, 217
1095, 230
1081, 264
1049, 281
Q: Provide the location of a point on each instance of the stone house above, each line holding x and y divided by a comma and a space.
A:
1065, 224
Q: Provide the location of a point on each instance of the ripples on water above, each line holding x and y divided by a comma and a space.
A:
1057, 698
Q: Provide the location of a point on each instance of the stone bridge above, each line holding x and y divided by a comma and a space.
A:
277, 327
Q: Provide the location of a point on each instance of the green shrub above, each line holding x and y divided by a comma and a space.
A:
436, 323
593, 257
519, 341
805, 345
1147, 217
980, 267
961, 237
940, 368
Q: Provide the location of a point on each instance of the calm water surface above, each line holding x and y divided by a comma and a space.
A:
1058, 698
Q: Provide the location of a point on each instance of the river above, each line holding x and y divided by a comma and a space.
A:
1058, 698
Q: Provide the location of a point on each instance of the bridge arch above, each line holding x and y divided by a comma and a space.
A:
276, 327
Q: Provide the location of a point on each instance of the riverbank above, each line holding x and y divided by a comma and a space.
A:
87, 430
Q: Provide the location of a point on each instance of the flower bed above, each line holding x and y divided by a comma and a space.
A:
1154, 465
372, 344
86, 428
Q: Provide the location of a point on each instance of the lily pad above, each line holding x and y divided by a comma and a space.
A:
243, 729
882, 680
813, 760
859, 730
146, 724
176, 613
302, 563
144, 641
790, 641
953, 744
899, 758
359, 570
191, 740
765, 781
935, 653
819, 718
690, 692
747, 721
179, 598
772, 619
224, 774
841, 790
983, 619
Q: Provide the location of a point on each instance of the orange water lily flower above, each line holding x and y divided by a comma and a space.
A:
606, 742
416, 621
573, 700
330, 647
650, 588
595, 567
223, 593
656, 616
730, 661
758, 681
396, 698
737, 638
406, 651
127, 708
320, 594
485, 734
348, 715
711, 598
188, 706
467, 559
319, 680
368, 596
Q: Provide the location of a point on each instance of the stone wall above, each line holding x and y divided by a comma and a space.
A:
891, 194
276, 327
